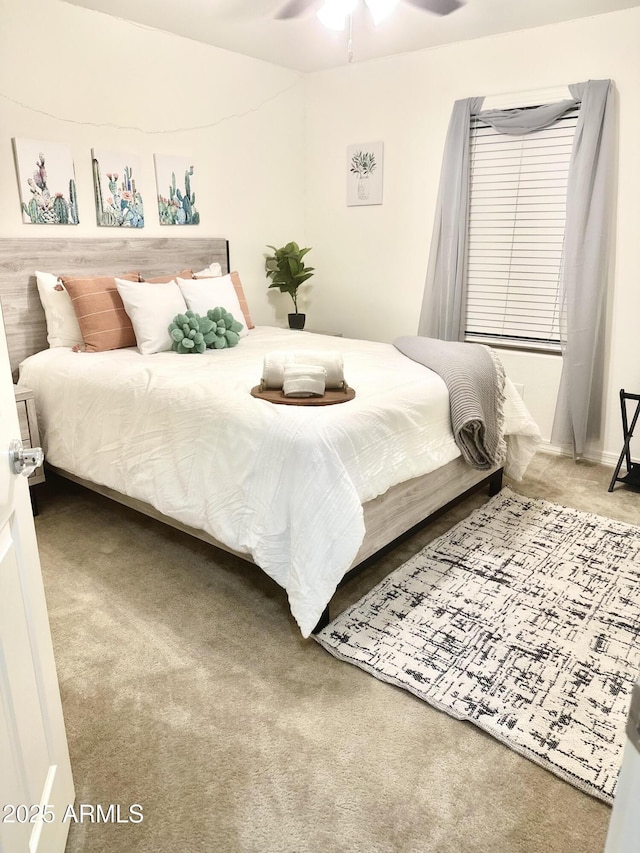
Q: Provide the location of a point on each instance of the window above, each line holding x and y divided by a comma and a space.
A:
518, 187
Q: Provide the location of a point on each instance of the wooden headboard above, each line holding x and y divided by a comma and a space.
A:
20, 257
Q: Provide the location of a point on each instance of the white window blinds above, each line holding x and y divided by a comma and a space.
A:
518, 187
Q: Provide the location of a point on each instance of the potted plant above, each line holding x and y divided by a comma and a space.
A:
286, 269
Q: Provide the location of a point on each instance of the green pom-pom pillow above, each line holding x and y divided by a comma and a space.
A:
225, 329
191, 333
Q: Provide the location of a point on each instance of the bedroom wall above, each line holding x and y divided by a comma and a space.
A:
371, 261
72, 75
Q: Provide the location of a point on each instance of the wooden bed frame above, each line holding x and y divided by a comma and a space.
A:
387, 517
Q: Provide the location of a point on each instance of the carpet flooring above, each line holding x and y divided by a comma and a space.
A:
187, 688
524, 619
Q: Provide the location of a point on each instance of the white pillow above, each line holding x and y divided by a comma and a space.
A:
204, 293
62, 324
212, 271
151, 308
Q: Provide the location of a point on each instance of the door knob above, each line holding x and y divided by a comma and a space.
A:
24, 460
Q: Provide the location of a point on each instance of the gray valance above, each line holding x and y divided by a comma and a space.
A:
525, 120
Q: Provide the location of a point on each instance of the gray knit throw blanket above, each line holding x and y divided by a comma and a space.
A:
475, 379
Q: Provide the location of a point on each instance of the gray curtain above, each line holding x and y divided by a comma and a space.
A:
590, 174
585, 261
443, 307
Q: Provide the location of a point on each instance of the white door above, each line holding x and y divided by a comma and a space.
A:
35, 773
624, 827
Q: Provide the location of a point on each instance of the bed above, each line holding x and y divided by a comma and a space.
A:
306, 493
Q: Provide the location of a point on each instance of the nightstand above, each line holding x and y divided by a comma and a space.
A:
29, 434
322, 332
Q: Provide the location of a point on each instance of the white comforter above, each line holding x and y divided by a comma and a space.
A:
284, 484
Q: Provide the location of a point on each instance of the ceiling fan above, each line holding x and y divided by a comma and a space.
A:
379, 8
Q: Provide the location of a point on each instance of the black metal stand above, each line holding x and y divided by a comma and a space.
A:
632, 477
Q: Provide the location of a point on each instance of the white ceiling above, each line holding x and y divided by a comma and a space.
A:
249, 26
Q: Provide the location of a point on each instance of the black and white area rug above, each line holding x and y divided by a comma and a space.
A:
524, 619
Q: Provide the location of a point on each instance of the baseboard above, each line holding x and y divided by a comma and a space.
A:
603, 457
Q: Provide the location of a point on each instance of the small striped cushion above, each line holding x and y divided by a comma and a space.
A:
242, 299
101, 316
165, 279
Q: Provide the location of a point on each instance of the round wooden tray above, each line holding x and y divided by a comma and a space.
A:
275, 395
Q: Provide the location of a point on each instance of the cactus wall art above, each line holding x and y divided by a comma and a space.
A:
47, 183
175, 188
118, 200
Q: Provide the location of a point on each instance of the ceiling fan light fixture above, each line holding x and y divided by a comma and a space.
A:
380, 9
334, 13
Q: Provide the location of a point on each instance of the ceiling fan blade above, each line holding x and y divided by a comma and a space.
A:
294, 8
438, 7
